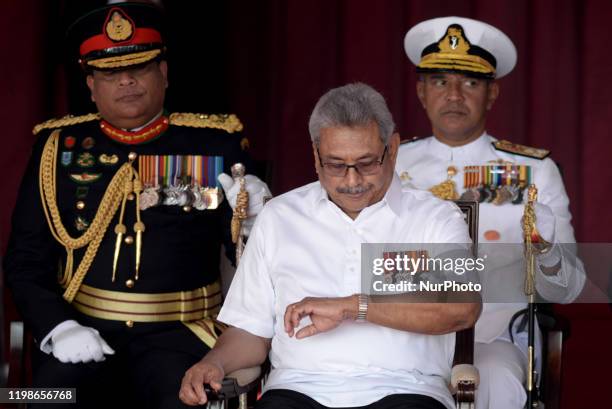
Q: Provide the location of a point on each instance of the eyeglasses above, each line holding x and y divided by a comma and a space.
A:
341, 169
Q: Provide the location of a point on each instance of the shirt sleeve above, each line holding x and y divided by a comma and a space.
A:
249, 304
567, 284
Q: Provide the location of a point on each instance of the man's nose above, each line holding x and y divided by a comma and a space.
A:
454, 91
353, 177
126, 78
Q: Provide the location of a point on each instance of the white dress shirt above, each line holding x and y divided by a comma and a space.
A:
303, 245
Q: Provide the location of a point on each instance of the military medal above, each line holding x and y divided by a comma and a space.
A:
108, 159
213, 196
69, 142
150, 197
66, 158
503, 195
181, 180
81, 224
498, 183
471, 195
81, 192
200, 200
88, 143
85, 177
86, 160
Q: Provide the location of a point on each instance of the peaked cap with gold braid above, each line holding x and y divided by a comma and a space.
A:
462, 45
118, 36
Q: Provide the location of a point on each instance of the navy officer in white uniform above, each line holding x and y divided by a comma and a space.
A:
297, 294
458, 61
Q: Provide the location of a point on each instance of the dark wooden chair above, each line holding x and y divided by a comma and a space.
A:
465, 377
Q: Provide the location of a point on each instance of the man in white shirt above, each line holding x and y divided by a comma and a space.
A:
297, 294
458, 61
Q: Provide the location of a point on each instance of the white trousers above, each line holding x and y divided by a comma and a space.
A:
502, 368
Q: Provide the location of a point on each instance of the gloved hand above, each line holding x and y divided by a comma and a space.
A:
545, 222
257, 190
72, 342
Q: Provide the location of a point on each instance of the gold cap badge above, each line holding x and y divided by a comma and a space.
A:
118, 27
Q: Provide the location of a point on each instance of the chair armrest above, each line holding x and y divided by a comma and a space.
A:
236, 383
465, 379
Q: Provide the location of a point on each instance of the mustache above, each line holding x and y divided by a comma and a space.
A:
454, 108
129, 94
353, 190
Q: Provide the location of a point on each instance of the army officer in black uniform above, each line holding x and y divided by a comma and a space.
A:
117, 231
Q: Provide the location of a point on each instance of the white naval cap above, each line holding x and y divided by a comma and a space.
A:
459, 44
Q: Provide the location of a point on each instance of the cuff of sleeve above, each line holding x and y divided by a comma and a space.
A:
46, 345
249, 324
550, 259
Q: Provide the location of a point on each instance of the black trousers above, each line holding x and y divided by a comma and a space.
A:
145, 372
286, 399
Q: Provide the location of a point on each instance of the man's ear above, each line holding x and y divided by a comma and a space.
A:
420, 91
315, 155
90, 84
394, 143
492, 94
163, 67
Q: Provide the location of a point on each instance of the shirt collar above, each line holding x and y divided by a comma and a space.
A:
469, 152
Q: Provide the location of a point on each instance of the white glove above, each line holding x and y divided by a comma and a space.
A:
72, 342
257, 190
545, 222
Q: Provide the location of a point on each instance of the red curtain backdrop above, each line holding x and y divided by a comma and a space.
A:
271, 60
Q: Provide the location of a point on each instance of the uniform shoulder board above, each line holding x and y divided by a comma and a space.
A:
229, 123
515, 148
410, 140
65, 121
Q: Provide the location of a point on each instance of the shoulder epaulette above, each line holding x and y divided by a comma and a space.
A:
229, 123
65, 121
410, 140
515, 148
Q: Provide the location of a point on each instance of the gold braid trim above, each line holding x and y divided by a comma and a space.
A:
92, 237
240, 212
445, 190
228, 123
124, 60
65, 121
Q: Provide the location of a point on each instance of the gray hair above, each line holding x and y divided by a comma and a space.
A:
352, 105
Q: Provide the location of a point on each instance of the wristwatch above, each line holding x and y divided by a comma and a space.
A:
362, 310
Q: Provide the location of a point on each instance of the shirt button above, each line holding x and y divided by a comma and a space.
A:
80, 205
129, 323
132, 155
129, 283
130, 196
128, 240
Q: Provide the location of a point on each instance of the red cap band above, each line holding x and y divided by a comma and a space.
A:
102, 42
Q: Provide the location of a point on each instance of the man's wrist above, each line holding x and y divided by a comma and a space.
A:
363, 302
